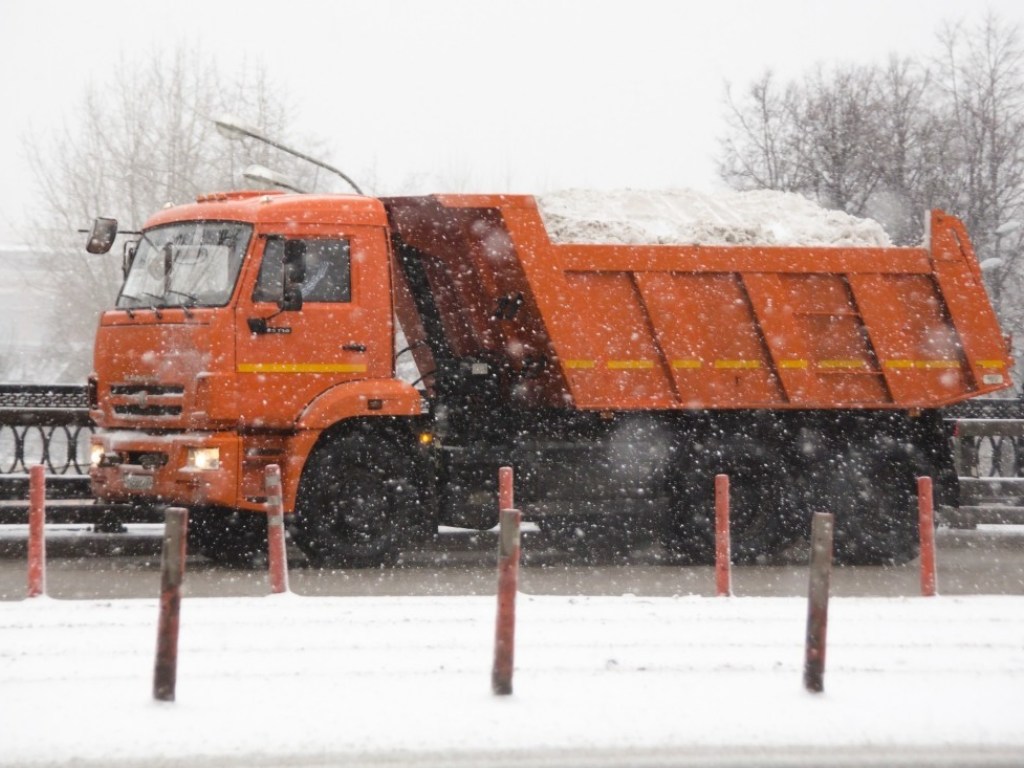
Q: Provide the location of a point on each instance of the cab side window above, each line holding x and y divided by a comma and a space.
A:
328, 271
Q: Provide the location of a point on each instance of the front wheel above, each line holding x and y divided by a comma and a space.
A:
345, 513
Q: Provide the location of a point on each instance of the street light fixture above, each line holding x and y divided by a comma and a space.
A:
1008, 227
263, 175
230, 128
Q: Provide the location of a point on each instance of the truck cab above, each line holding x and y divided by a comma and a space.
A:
248, 322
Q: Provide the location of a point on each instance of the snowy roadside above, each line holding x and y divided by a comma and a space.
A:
289, 680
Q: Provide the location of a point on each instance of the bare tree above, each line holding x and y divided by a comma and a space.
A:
819, 137
759, 152
840, 136
981, 76
893, 141
908, 140
134, 144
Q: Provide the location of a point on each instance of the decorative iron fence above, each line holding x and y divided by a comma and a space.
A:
989, 438
989, 455
990, 449
47, 425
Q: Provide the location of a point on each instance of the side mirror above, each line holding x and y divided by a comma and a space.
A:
102, 236
291, 300
294, 265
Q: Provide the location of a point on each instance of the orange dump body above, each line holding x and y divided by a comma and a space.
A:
617, 327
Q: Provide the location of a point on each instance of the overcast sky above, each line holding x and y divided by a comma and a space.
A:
468, 95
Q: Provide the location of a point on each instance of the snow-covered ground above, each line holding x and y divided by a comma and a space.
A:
681, 216
624, 680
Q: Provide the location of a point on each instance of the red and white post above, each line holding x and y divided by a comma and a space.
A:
817, 601
36, 531
172, 573
926, 525
508, 585
506, 491
277, 554
723, 545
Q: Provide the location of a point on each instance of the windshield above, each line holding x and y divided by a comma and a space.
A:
191, 264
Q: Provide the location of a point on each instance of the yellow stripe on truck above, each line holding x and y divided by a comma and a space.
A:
924, 364
842, 364
629, 365
302, 367
737, 364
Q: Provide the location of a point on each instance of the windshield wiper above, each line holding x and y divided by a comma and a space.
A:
155, 307
129, 310
190, 301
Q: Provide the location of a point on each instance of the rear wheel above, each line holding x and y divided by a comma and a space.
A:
594, 540
764, 513
345, 513
870, 491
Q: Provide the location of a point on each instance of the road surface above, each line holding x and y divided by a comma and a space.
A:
83, 565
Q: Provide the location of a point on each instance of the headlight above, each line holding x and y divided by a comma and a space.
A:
95, 454
203, 458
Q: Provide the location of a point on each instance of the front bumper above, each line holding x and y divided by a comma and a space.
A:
143, 468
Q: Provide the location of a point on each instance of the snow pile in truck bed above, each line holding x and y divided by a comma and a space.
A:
683, 216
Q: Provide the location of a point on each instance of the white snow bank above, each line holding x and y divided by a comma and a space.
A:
683, 216
290, 681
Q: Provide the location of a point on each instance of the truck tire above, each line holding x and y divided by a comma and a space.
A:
764, 507
869, 488
592, 540
345, 513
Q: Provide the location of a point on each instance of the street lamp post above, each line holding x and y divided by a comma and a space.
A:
230, 128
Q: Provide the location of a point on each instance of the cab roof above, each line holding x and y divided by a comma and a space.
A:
273, 207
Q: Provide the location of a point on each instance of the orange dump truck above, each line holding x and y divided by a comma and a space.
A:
257, 328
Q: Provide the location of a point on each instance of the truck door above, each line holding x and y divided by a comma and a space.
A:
342, 332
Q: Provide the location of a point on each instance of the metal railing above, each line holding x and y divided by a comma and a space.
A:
47, 425
989, 456
990, 448
989, 438
61, 448
60, 402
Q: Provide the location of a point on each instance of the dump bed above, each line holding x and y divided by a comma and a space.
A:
626, 327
